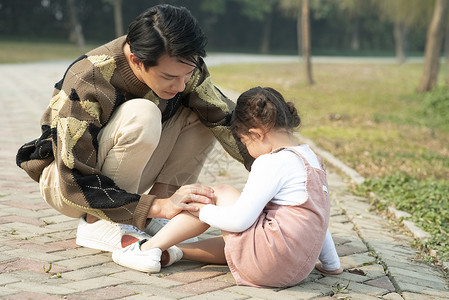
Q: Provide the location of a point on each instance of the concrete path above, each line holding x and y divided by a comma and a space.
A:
40, 260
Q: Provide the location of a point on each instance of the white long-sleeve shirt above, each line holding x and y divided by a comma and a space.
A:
279, 177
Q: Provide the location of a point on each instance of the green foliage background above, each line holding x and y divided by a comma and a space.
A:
334, 24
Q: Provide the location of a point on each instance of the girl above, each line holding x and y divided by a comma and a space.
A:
276, 229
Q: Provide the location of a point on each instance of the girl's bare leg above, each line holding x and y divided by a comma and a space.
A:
209, 250
181, 227
212, 250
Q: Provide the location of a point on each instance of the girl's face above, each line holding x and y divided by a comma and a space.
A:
256, 143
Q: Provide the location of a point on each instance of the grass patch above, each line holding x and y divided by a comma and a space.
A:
426, 200
22, 52
435, 108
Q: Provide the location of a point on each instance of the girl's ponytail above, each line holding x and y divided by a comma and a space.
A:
295, 121
263, 108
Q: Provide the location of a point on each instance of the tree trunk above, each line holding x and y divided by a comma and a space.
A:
400, 33
446, 43
299, 32
355, 40
446, 50
76, 31
306, 41
118, 18
433, 46
266, 34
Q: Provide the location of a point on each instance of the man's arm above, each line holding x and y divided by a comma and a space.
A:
215, 111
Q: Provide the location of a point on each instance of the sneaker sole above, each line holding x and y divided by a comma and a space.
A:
145, 270
148, 269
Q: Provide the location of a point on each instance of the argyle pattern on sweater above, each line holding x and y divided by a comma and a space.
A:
83, 101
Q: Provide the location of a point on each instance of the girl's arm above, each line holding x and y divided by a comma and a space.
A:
263, 184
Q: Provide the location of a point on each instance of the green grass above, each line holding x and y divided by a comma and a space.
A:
22, 52
370, 117
426, 200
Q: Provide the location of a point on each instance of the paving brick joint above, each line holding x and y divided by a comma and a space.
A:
40, 260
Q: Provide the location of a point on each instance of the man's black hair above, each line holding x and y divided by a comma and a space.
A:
165, 29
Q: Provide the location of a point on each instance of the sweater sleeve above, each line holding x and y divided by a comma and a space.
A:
264, 182
215, 111
82, 104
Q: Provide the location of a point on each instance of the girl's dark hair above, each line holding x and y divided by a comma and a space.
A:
263, 108
165, 29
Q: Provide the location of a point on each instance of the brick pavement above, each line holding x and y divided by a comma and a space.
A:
40, 260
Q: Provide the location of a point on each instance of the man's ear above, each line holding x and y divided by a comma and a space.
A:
257, 133
135, 60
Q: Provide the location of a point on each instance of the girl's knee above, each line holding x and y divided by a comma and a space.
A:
222, 188
226, 194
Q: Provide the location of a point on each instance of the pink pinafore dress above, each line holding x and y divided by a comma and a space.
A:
281, 248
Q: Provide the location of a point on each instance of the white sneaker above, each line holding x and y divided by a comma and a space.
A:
170, 256
156, 224
134, 258
107, 236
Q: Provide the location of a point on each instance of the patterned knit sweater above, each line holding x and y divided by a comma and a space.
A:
83, 101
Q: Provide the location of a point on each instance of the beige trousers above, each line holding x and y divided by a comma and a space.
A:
136, 151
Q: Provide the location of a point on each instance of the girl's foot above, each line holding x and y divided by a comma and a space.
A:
320, 268
170, 256
135, 258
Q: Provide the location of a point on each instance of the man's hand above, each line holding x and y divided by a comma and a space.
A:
184, 198
197, 212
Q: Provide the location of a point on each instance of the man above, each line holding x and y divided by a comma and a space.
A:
128, 130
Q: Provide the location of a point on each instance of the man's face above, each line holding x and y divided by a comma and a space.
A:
169, 77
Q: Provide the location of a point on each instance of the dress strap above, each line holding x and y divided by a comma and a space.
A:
306, 163
320, 160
